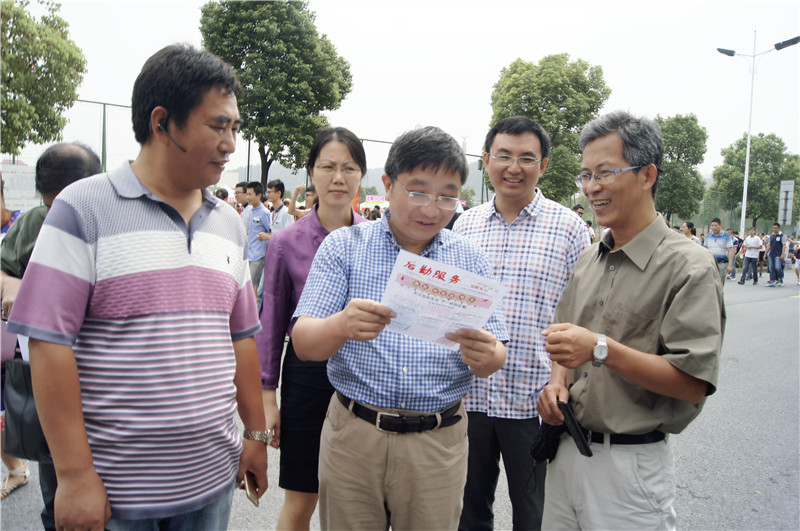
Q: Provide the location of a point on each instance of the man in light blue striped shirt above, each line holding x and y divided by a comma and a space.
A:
394, 447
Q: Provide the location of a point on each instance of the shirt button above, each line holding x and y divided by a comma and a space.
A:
405, 369
611, 268
601, 303
402, 405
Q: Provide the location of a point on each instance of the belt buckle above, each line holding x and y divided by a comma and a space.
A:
378, 420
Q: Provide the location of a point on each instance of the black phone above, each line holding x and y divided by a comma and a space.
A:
574, 428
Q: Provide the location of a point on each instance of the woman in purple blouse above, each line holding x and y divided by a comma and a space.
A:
336, 165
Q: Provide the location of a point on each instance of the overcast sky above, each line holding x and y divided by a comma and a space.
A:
433, 62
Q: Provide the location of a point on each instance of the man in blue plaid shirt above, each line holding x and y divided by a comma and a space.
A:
533, 244
394, 443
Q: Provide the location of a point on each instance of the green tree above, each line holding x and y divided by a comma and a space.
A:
290, 74
41, 70
468, 195
364, 191
770, 163
560, 94
680, 188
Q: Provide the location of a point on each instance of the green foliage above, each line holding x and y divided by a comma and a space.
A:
684, 139
680, 188
290, 74
364, 191
468, 195
562, 96
770, 163
558, 181
41, 71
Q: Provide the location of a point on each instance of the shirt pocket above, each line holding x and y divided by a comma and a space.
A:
632, 327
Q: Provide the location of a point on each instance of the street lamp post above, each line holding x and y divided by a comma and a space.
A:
731, 53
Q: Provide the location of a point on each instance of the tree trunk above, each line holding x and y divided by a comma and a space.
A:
266, 162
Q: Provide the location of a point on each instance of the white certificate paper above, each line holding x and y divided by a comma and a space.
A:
432, 298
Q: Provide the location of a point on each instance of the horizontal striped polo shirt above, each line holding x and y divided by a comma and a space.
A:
150, 308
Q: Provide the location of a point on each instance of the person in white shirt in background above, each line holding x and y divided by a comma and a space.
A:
751, 246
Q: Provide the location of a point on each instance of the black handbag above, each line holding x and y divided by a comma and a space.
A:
23, 434
545, 445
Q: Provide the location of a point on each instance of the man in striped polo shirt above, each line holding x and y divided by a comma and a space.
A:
145, 348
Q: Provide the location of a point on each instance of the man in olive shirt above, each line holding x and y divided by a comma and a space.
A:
636, 342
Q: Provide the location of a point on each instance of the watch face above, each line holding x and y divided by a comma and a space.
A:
600, 352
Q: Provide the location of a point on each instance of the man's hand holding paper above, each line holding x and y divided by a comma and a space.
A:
364, 319
480, 350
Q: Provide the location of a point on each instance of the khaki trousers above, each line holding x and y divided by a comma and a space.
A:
372, 480
723, 271
619, 487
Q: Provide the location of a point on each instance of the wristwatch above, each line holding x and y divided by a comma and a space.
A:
260, 436
600, 351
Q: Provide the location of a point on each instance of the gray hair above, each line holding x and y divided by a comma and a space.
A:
642, 143
428, 147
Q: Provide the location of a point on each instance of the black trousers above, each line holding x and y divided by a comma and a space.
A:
489, 438
48, 484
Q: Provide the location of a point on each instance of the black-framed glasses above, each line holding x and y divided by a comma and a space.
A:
419, 199
602, 176
525, 161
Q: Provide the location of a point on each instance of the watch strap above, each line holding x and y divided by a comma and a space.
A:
260, 436
602, 345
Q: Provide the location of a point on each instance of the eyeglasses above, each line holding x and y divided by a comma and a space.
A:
508, 160
602, 177
420, 199
329, 170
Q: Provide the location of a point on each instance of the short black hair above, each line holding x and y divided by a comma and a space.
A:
312, 189
689, 224
177, 78
776, 225
222, 193
242, 185
519, 125
716, 220
426, 147
278, 185
257, 188
576, 207
62, 164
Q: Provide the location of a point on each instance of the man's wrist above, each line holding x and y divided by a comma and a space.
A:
269, 397
257, 435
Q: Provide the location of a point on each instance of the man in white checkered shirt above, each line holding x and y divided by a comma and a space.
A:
532, 243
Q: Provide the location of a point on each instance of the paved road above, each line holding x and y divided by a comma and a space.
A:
738, 464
